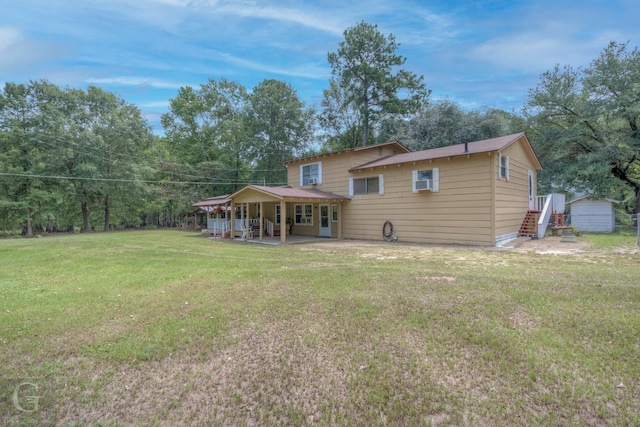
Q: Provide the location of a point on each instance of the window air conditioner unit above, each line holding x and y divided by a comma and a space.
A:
313, 181
424, 184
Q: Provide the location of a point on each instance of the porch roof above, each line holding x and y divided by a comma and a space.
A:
213, 201
288, 193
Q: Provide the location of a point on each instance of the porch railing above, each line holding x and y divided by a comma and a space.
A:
268, 227
218, 226
255, 225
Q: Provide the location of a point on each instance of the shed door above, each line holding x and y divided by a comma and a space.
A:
532, 193
325, 221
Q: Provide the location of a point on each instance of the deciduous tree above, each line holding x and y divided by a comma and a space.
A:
585, 123
281, 127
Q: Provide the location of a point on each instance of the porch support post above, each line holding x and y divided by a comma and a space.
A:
284, 227
232, 219
226, 218
261, 221
339, 220
246, 218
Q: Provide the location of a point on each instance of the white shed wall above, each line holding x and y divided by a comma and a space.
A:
593, 215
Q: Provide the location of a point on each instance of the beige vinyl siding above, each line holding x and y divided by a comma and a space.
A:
473, 205
335, 167
512, 196
460, 212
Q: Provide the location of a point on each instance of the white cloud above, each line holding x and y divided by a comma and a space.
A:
18, 51
154, 104
310, 17
308, 71
135, 81
9, 37
540, 50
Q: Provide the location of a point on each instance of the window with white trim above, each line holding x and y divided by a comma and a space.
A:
303, 214
334, 213
503, 166
277, 215
371, 185
311, 174
365, 185
426, 179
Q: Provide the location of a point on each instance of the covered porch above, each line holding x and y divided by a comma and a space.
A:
276, 214
218, 212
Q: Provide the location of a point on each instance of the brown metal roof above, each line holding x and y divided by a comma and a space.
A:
287, 192
483, 146
213, 201
368, 147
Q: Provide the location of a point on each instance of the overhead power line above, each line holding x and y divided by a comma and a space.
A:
78, 178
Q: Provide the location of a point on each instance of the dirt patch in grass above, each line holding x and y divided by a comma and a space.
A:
552, 245
267, 374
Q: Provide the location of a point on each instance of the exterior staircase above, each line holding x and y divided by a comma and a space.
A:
529, 226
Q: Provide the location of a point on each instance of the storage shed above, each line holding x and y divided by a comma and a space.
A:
596, 215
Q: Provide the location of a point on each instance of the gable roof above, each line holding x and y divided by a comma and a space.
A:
476, 147
397, 145
289, 193
588, 196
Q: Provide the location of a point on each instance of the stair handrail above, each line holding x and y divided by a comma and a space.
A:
544, 217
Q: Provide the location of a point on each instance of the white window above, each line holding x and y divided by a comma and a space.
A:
370, 185
311, 174
277, 214
426, 179
241, 211
334, 213
503, 166
303, 214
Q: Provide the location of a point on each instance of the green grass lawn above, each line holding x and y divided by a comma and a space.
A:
170, 328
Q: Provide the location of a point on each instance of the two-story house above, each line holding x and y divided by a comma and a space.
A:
476, 193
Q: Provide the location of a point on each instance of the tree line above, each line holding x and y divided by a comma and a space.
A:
86, 159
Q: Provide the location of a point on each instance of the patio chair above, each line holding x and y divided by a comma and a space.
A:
247, 233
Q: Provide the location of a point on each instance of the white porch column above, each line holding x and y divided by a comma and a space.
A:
284, 227
261, 220
232, 219
246, 218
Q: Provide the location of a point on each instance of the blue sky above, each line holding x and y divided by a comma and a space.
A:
478, 54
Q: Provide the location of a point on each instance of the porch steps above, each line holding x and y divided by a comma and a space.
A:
529, 226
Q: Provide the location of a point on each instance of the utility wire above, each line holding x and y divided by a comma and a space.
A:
126, 180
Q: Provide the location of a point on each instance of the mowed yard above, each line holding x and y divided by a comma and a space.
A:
171, 328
